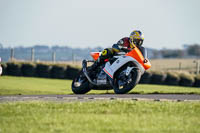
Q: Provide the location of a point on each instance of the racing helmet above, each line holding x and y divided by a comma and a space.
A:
136, 38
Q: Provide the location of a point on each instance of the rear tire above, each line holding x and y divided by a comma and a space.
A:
134, 78
80, 84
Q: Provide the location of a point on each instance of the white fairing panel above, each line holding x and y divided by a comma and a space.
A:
111, 69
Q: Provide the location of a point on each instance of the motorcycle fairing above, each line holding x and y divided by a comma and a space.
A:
95, 55
110, 69
137, 54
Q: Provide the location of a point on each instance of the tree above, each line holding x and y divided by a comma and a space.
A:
168, 53
194, 50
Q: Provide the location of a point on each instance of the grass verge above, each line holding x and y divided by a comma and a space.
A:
101, 116
10, 85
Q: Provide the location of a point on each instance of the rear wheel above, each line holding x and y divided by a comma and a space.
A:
124, 83
80, 84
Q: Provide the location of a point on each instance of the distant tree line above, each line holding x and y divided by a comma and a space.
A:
194, 50
64, 53
188, 51
44, 53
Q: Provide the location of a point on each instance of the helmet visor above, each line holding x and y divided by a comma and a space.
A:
138, 42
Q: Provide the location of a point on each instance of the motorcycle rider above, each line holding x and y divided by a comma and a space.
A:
125, 44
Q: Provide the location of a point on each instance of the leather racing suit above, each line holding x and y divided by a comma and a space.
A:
123, 45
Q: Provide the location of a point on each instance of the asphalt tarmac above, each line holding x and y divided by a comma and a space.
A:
91, 97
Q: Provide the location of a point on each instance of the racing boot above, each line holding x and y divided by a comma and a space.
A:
107, 53
94, 66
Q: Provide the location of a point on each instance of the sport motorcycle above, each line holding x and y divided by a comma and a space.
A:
121, 73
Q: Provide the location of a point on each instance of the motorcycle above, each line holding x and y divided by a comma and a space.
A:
120, 73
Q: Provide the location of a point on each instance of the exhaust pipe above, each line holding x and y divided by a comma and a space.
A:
84, 65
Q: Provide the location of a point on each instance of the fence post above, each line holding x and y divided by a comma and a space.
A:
54, 57
180, 66
197, 67
12, 54
73, 57
32, 54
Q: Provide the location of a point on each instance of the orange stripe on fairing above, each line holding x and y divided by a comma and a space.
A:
136, 54
108, 73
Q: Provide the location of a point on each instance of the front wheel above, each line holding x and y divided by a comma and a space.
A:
80, 84
124, 83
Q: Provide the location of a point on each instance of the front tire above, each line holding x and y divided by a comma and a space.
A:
122, 83
80, 84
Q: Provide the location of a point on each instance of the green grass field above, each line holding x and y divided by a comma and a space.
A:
113, 116
10, 85
105, 116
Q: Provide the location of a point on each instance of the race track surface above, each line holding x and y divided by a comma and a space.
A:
90, 97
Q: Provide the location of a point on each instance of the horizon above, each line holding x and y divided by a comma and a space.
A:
76, 47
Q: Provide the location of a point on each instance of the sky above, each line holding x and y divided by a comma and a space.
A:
92, 23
